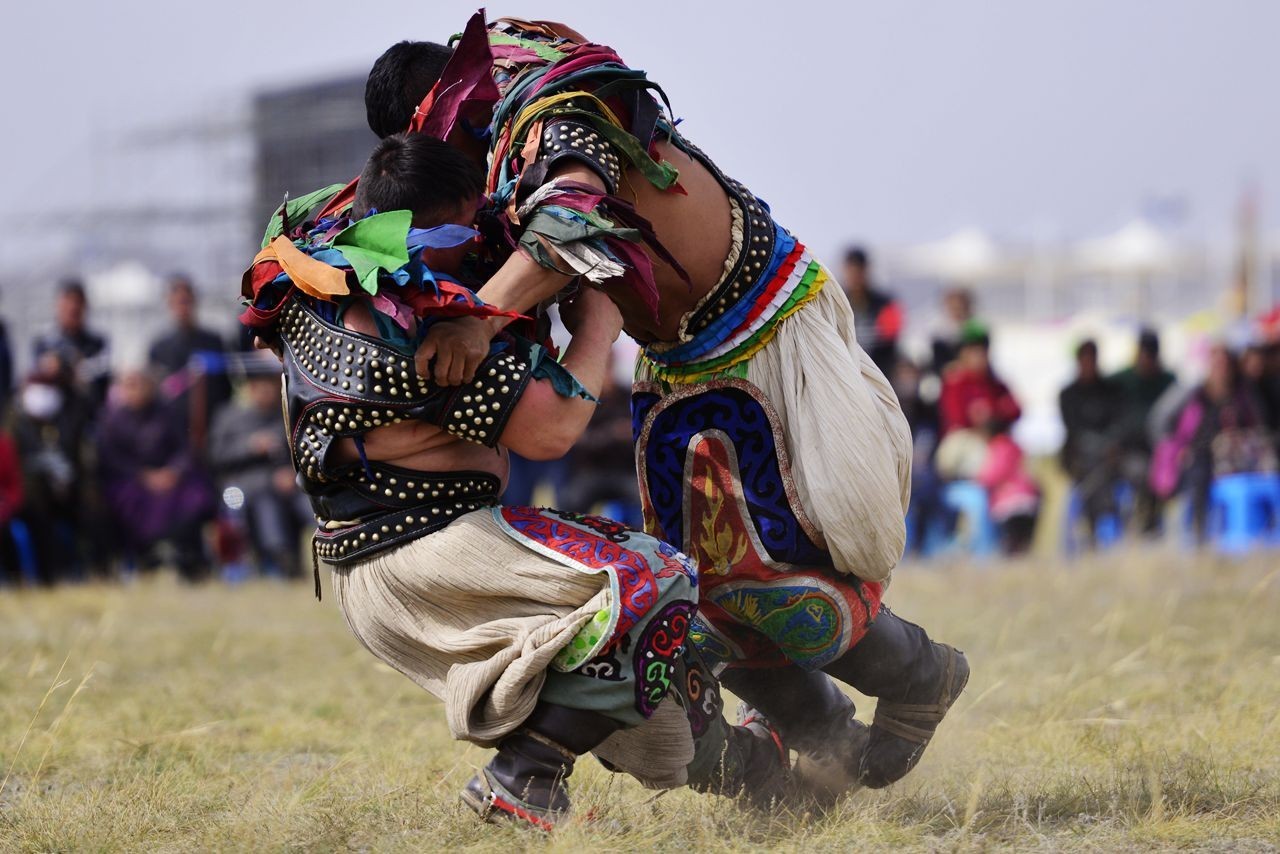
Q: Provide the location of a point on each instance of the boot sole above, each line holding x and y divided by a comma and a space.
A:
493, 809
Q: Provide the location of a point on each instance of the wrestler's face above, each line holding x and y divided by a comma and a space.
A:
449, 260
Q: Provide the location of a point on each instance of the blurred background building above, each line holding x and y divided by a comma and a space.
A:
191, 196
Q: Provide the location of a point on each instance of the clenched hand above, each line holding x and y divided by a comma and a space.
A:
458, 347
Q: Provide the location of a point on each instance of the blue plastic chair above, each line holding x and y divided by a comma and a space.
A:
969, 500
935, 537
1110, 528
23, 544
1244, 512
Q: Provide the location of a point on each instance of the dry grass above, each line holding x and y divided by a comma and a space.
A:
1126, 703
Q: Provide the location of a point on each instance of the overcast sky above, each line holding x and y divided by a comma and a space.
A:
888, 121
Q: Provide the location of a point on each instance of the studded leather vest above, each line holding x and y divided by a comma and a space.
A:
341, 384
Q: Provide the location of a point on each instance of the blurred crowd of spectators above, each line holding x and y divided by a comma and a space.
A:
184, 461
157, 464
1133, 440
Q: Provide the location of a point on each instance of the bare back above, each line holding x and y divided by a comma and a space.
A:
418, 445
694, 227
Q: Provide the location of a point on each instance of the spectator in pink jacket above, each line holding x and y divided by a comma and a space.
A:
1013, 495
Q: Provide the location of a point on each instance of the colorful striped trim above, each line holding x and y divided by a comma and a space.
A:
796, 282
787, 255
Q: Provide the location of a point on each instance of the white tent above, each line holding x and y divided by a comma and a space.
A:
969, 255
125, 285
1136, 250
1137, 260
127, 304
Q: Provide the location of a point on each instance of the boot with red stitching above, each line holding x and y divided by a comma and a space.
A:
525, 780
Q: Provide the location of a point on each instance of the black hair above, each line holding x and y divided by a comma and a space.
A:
1149, 342
419, 173
72, 288
398, 82
1087, 346
857, 256
181, 282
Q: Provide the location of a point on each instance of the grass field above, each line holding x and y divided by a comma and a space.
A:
1128, 702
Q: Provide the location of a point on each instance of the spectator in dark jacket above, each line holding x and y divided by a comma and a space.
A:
250, 453
1140, 386
1090, 407
50, 423
83, 350
877, 317
1261, 375
191, 361
6, 367
928, 512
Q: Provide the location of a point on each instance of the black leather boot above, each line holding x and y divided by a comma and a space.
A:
752, 763
914, 680
813, 717
525, 780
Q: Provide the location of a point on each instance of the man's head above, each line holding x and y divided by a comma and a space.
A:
1223, 373
136, 389
958, 304
71, 306
418, 173
398, 82
1148, 361
1087, 360
182, 301
857, 266
1253, 363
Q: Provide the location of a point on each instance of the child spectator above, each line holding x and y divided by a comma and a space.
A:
1013, 496
972, 396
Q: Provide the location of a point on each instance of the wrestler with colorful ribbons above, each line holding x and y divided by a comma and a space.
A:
770, 447
544, 633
